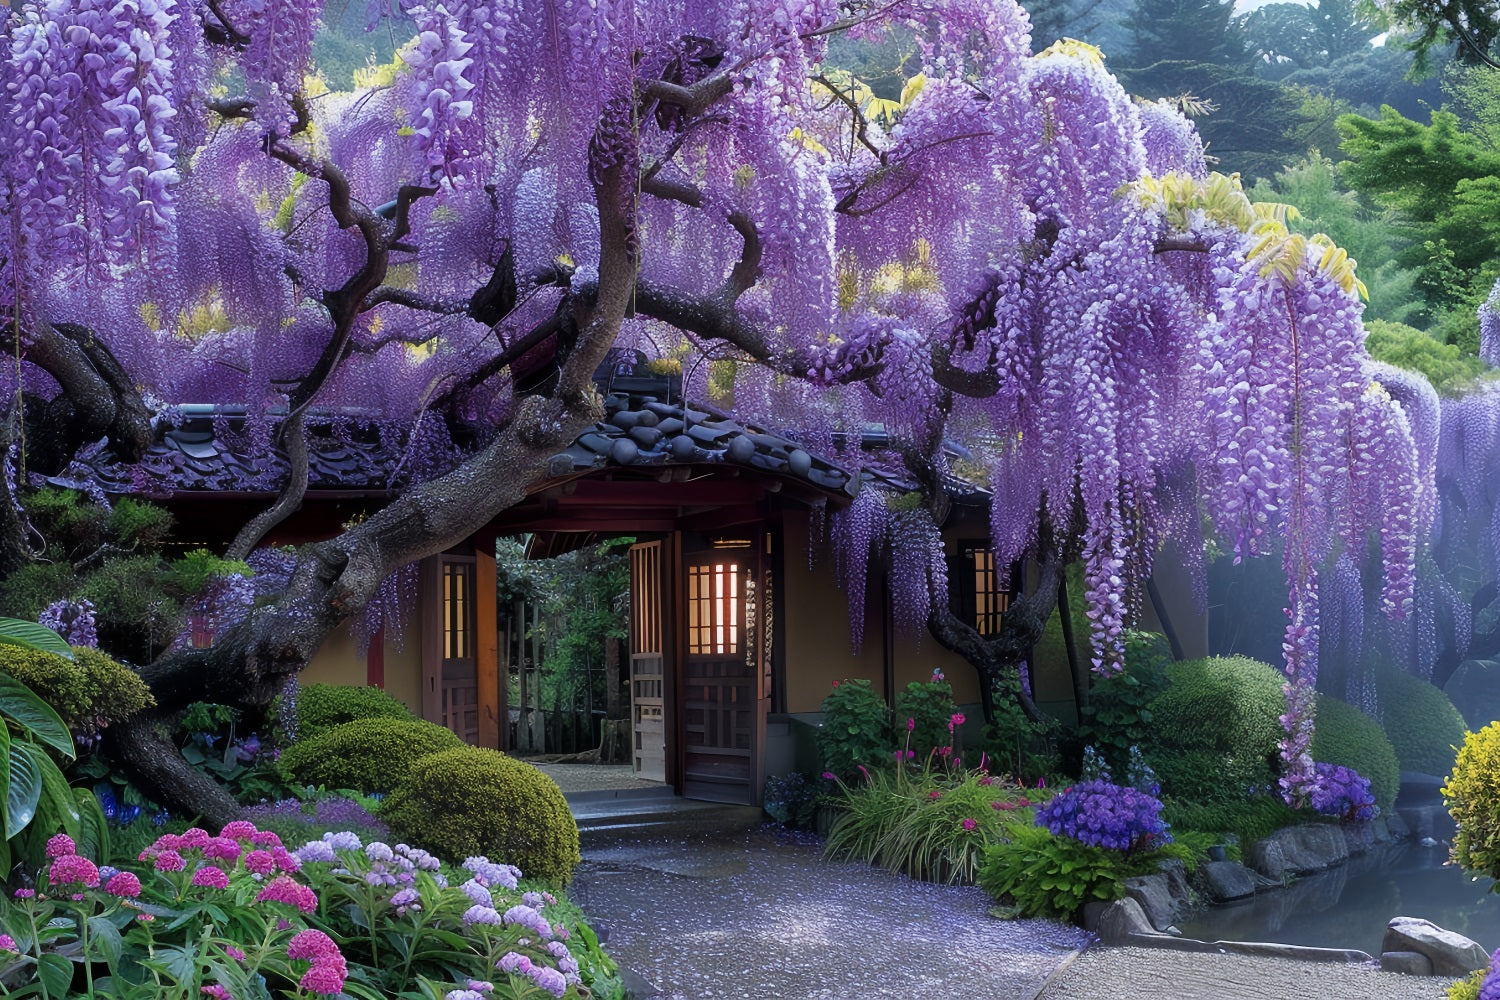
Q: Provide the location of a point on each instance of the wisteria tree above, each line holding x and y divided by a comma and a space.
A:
1014, 255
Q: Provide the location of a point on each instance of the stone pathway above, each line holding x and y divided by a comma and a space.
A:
761, 915
594, 777
1156, 974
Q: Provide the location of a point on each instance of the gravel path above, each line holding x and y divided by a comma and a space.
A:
1155, 974
763, 916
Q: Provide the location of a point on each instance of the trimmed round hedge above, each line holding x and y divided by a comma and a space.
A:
368, 755
1473, 797
473, 800
1216, 728
1342, 734
91, 690
1424, 727
323, 706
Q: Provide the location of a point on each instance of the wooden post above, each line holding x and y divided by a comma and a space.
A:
486, 649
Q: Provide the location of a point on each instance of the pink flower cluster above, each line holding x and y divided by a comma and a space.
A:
172, 852
285, 889
328, 969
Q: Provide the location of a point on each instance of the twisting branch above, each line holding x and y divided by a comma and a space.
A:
861, 124
225, 33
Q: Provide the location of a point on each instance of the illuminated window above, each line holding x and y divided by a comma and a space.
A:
985, 595
458, 612
713, 600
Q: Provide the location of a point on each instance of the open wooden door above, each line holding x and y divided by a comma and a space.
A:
648, 659
723, 683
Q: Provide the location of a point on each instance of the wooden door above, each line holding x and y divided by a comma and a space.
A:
648, 660
722, 683
460, 688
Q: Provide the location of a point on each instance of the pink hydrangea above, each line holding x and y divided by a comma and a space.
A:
285, 859
193, 838
124, 884
169, 861
7, 943
324, 977
239, 829
260, 863
209, 877
60, 846
285, 889
265, 838
311, 944
71, 868
222, 849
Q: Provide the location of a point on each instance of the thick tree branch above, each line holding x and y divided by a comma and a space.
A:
293, 437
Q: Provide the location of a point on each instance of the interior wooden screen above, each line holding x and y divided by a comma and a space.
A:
721, 680
648, 662
460, 691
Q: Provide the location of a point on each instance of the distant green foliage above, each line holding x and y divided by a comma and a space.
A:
26, 592
1473, 797
856, 729
1342, 734
89, 691
1424, 727
322, 706
1446, 366
367, 755
473, 800
1216, 728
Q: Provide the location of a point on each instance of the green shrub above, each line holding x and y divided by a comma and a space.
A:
1473, 797
135, 617
1423, 726
1467, 989
141, 525
368, 755
923, 713
323, 706
473, 800
1047, 876
88, 691
1216, 728
792, 800
1248, 819
26, 592
1119, 713
856, 729
1342, 734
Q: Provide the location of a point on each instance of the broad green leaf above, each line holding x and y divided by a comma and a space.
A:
56, 973
104, 941
17, 632
57, 796
25, 789
93, 827
22, 706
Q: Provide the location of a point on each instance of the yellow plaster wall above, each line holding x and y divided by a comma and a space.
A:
338, 661
818, 649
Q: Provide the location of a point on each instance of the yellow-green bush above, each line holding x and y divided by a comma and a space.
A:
323, 706
1422, 724
1342, 734
88, 691
370, 755
1215, 730
473, 800
1473, 797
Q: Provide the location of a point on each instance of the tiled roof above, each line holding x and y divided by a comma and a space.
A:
201, 449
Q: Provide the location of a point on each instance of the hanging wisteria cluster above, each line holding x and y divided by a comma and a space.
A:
1014, 253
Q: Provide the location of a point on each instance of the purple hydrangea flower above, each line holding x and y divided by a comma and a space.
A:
477, 893
315, 850
481, 915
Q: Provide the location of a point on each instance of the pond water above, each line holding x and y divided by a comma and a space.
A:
1350, 906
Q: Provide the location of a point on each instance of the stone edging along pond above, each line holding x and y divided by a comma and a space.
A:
1153, 904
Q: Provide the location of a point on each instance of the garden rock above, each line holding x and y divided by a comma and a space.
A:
1154, 895
1358, 837
1123, 921
1177, 884
1408, 963
1299, 850
1451, 953
1227, 880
